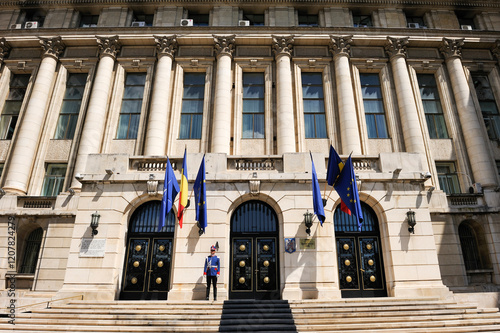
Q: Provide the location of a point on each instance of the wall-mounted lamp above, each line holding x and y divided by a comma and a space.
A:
308, 221
2, 191
397, 171
410, 216
109, 171
94, 223
71, 191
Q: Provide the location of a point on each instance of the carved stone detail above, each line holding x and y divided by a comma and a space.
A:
452, 47
52, 47
396, 47
340, 45
224, 45
254, 187
283, 45
109, 46
152, 185
4, 49
166, 45
496, 49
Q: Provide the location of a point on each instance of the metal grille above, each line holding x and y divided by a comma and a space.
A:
470, 251
31, 251
347, 223
254, 217
146, 218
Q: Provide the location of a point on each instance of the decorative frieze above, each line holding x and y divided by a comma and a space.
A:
340, 45
224, 45
52, 47
396, 47
166, 45
452, 47
109, 46
4, 49
283, 45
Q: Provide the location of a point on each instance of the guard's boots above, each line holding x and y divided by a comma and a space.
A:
215, 293
208, 293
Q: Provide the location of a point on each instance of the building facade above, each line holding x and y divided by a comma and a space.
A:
95, 95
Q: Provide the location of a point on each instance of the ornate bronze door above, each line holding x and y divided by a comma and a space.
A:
359, 255
254, 268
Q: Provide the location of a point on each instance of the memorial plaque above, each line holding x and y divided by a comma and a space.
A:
307, 244
92, 247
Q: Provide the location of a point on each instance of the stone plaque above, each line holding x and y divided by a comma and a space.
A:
307, 244
92, 247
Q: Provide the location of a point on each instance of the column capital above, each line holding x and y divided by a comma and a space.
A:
396, 47
283, 45
340, 45
166, 45
495, 49
224, 45
452, 48
4, 49
52, 47
109, 46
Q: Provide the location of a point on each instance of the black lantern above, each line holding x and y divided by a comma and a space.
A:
410, 215
94, 223
308, 222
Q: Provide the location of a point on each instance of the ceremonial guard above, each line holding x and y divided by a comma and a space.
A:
212, 271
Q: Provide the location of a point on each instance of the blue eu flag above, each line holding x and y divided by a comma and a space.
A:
170, 190
347, 189
200, 196
335, 166
317, 200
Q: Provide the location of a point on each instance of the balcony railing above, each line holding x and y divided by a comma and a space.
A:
465, 200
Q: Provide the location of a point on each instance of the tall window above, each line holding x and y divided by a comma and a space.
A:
12, 106
131, 106
89, 21
488, 105
363, 21
31, 251
314, 105
192, 106
253, 105
374, 106
447, 176
432, 106
54, 179
307, 20
415, 21
70, 107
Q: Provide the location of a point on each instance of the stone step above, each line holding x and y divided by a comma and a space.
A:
201, 321
384, 314
96, 329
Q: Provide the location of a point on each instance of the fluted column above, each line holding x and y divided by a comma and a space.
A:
475, 140
285, 136
412, 132
224, 48
95, 119
156, 134
349, 130
26, 143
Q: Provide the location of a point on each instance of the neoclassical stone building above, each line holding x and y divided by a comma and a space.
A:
94, 95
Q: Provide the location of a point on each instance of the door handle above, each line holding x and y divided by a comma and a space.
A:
362, 270
150, 271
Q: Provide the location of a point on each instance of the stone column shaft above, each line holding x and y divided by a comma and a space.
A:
349, 129
95, 119
156, 134
285, 135
26, 143
475, 141
221, 139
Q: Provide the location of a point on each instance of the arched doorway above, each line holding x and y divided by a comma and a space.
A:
148, 256
359, 254
254, 252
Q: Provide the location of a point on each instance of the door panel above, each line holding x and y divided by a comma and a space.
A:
242, 273
159, 269
137, 262
347, 262
266, 264
370, 263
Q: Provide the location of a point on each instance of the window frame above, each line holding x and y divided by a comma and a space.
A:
450, 176
9, 132
59, 180
314, 114
130, 134
369, 113
71, 115
435, 116
494, 118
254, 114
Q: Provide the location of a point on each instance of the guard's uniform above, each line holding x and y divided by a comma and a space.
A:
212, 271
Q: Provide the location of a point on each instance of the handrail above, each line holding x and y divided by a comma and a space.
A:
48, 302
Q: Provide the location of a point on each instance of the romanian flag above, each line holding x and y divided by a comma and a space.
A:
183, 194
347, 189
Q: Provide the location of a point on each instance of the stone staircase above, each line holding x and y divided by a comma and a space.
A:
345, 315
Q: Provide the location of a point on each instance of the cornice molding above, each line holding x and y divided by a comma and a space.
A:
283, 45
340, 45
452, 48
396, 47
224, 45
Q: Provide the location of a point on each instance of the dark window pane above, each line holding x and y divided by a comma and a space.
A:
431, 102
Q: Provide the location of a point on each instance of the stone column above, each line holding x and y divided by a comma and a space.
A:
224, 48
156, 135
349, 130
285, 136
25, 146
472, 128
412, 132
95, 119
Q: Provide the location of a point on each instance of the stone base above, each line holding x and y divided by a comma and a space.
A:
310, 291
483, 300
188, 292
413, 289
89, 294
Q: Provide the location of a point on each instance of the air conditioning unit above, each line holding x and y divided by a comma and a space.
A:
138, 24
243, 23
16, 26
187, 22
466, 27
413, 25
31, 25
